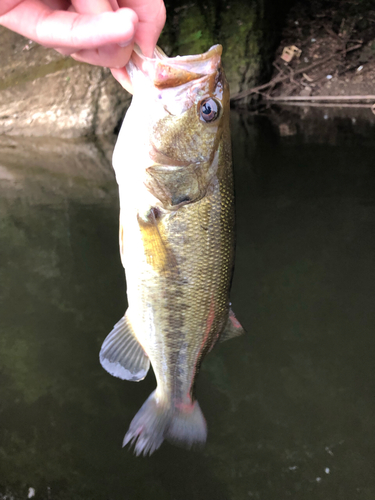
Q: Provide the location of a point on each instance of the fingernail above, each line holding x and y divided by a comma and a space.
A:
124, 44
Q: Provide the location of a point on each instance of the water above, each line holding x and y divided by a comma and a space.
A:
290, 406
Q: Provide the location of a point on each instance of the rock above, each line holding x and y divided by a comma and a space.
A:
287, 129
44, 93
306, 91
247, 31
79, 101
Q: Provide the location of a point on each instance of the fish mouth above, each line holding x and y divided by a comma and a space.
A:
182, 61
167, 72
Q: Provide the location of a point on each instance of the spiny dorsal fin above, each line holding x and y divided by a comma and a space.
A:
232, 329
122, 355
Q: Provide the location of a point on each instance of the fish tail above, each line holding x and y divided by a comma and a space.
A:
184, 425
188, 426
148, 428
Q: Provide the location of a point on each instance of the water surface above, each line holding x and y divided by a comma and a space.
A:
290, 406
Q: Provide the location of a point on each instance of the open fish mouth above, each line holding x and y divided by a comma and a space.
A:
212, 55
167, 72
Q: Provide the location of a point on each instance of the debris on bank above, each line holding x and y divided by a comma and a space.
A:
326, 57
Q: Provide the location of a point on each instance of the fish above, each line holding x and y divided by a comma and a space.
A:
173, 165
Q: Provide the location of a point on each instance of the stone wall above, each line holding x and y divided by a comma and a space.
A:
44, 93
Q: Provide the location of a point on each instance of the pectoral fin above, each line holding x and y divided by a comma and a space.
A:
158, 254
122, 355
232, 329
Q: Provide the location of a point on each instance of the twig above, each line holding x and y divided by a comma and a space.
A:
334, 35
324, 98
280, 79
329, 105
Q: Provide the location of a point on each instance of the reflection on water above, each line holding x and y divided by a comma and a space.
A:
290, 406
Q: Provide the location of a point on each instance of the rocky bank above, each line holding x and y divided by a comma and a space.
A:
43, 93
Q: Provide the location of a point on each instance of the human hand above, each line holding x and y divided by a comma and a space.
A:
100, 32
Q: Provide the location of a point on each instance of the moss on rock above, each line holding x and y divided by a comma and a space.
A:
241, 40
248, 32
195, 32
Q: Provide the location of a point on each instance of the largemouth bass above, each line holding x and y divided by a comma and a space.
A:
173, 166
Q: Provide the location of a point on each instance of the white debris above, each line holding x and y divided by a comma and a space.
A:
289, 52
326, 470
313, 40
293, 467
329, 77
318, 479
28, 45
31, 493
360, 68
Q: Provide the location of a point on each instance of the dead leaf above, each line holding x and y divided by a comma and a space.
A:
307, 77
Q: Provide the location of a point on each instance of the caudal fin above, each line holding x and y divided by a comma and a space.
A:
184, 425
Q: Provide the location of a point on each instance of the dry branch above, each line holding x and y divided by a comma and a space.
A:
331, 105
324, 98
282, 78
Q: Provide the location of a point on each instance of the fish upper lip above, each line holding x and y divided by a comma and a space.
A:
162, 159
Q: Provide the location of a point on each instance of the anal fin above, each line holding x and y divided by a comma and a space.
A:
232, 329
122, 355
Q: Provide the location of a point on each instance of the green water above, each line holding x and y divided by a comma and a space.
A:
290, 406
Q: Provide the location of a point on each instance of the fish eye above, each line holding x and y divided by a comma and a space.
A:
209, 110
